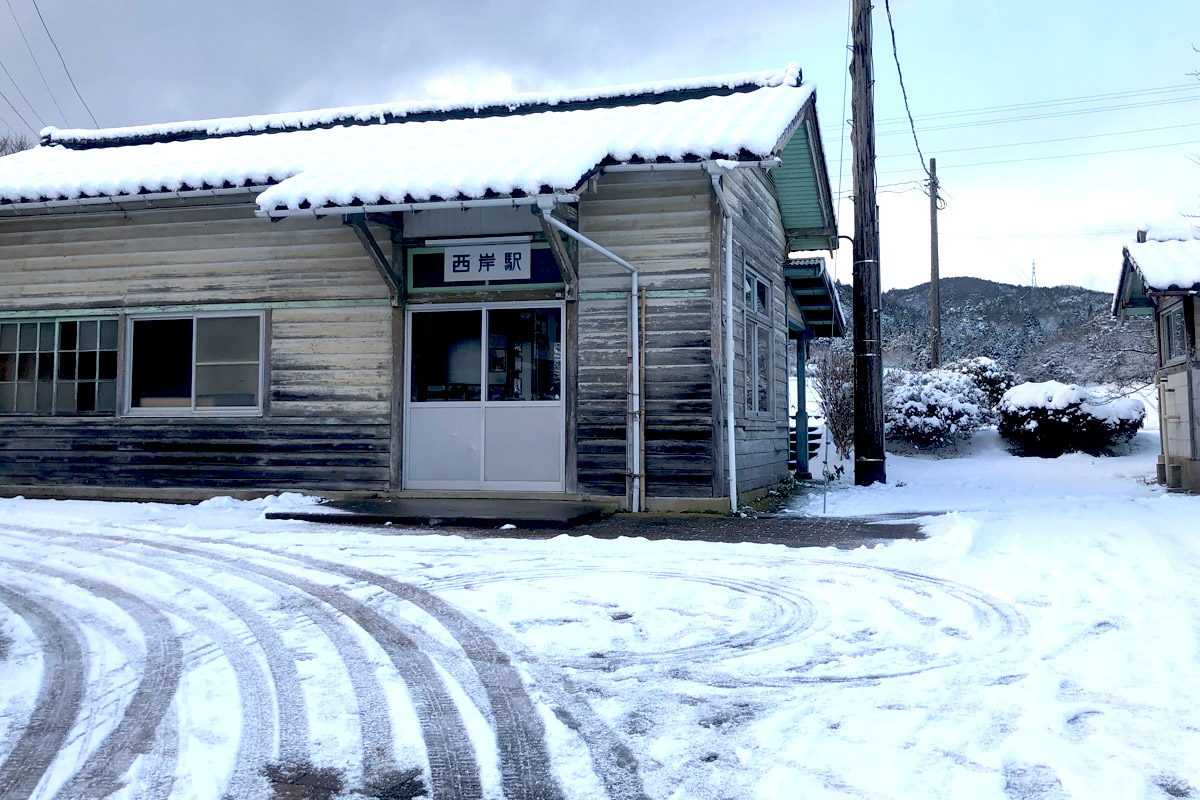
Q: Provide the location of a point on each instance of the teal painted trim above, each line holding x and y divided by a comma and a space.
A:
796, 183
656, 293
69, 313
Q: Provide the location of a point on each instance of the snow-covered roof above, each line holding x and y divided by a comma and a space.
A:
419, 152
1167, 258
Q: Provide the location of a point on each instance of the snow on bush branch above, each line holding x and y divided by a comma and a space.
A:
992, 378
934, 408
1051, 418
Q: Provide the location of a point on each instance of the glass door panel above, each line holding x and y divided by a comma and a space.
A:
446, 356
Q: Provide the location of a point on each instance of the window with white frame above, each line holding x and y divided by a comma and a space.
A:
1174, 337
757, 349
195, 364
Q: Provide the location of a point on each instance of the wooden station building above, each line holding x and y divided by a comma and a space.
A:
1160, 276
584, 295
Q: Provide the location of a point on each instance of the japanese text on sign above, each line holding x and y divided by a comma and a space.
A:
487, 262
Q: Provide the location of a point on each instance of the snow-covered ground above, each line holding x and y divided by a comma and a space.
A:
1042, 643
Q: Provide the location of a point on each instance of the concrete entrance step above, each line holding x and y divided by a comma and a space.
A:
460, 512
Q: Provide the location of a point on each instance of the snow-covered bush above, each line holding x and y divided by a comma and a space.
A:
1051, 418
992, 378
931, 409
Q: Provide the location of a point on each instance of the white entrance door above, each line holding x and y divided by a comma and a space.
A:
484, 407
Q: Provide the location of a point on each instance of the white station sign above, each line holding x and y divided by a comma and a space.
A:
508, 261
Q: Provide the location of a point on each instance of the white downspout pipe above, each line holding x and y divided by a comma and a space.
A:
635, 393
730, 430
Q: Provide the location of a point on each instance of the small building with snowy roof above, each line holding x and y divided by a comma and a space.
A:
583, 294
1160, 275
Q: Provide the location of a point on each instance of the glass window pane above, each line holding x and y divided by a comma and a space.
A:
26, 398
106, 396
226, 385
65, 399
8, 337
66, 366
524, 354
764, 370
225, 339
46, 337
446, 353
108, 334
68, 335
45, 369
108, 365
764, 300
45, 397
161, 364
89, 335
8, 398
29, 336
87, 366
27, 367
86, 394
8, 367
749, 298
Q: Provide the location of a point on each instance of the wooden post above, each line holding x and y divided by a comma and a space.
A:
935, 300
802, 468
868, 363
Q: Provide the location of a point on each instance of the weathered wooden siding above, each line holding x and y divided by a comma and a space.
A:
660, 222
758, 240
207, 254
326, 423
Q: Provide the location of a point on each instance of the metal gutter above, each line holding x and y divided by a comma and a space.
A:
730, 421
547, 200
80, 203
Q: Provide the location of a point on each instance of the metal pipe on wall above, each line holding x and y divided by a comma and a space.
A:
635, 392
730, 420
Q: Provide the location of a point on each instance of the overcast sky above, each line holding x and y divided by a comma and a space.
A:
148, 61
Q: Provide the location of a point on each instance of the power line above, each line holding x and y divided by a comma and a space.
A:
1056, 115
64, 63
1051, 141
4, 97
40, 118
983, 237
28, 47
887, 4
1051, 158
981, 110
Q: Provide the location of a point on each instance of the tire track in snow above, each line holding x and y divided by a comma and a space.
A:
793, 612
524, 760
525, 765
453, 769
291, 709
133, 735
64, 673
373, 716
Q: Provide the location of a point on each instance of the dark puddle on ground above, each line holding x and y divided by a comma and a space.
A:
306, 782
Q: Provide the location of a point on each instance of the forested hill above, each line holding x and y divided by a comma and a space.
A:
1064, 333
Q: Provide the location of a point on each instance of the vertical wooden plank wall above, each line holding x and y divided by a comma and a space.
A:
326, 425
660, 223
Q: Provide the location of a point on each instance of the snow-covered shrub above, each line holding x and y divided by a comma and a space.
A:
992, 378
933, 408
1051, 418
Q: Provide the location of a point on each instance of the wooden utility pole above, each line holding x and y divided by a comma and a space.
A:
935, 300
868, 362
